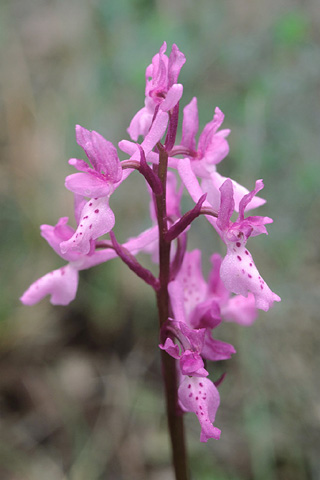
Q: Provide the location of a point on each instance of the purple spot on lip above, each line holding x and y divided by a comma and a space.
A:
190, 394
238, 244
90, 204
189, 386
250, 264
84, 218
261, 286
200, 384
250, 276
239, 258
90, 226
97, 210
246, 252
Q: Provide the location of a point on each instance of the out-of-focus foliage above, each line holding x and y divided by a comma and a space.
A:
80, 387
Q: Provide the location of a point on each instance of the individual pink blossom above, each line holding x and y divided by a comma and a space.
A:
199, 305
162, 90
191, 344
200, 395
212, 144
238, 271
98, 183
62, 284
212, 149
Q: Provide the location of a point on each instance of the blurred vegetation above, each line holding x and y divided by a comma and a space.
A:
80, 387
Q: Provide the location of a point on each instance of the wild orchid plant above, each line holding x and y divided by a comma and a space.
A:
189, 307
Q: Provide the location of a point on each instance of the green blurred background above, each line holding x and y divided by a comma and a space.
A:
80, 387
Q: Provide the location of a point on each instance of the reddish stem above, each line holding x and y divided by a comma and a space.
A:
175, 420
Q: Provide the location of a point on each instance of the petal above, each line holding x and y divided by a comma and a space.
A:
190, 125
61, 284
195, 336
191, 363
190, 181
155, 133
140, 123
206, 314
213, 195
209, 130
173, 196
191, 279
175, 290
216, 150
79, 165
216, 350
240, 275
57, 234
241, 310
238, 191
172, 98
176, 60
226, 205
201, 397
158, 72
246, 199
171, 348
215, 284
88, 185
97, 219
101, 153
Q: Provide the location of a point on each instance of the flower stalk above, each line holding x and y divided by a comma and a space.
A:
169, 371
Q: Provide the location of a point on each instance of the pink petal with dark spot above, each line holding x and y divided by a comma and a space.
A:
97, 219
203, 399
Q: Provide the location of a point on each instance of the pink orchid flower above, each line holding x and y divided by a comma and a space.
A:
238, 271
212, 149
98, 183
191, 345
199, 305
196, 393
62, 284
162, 90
